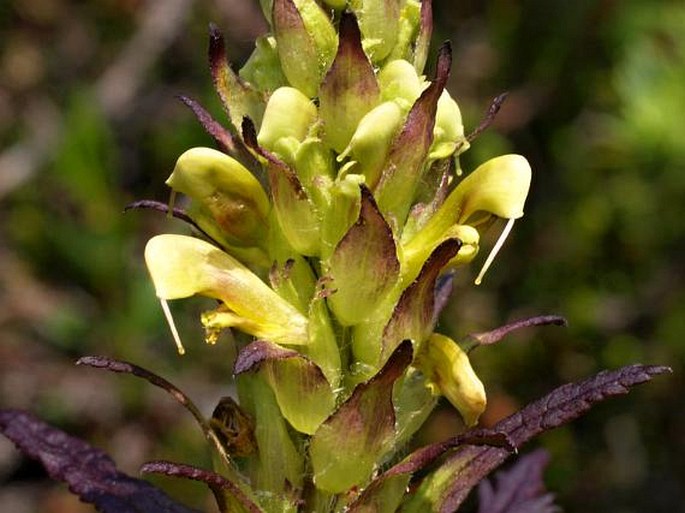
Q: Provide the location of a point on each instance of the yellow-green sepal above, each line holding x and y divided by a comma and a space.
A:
263, 68
239, 98
336, 4
341, 211
273, 437
295, 282
407, 31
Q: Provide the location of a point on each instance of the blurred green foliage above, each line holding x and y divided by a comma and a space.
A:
597, 95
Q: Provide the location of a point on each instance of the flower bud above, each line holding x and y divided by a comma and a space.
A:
225, 188
400, 83
372, 139
449, 372
288, 118
448, 133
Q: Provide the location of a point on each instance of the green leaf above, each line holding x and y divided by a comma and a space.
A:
350, 444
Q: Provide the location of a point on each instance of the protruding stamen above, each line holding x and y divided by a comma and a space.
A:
495, 250
172, 326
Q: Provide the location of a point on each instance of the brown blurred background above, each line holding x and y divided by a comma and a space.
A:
89, 121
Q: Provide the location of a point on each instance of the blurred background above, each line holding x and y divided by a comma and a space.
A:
89, 121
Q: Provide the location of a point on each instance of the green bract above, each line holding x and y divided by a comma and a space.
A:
332, 215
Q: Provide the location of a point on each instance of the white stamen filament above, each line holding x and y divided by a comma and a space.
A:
172, 201
495, 249
172, 326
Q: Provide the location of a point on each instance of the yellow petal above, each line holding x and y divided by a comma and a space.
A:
288, 117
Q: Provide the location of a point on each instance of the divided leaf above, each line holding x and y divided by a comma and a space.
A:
493, 336
449, 485
386, 491
229, 496
119, 366
90, 473
221, 136
518, 489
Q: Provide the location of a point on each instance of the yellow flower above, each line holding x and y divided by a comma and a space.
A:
448, 371
498, 187
183, 266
